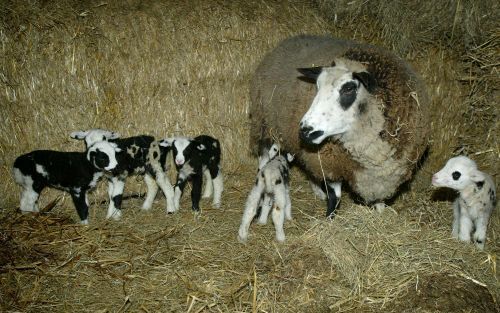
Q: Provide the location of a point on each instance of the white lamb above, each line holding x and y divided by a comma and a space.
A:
477, 199
271, 189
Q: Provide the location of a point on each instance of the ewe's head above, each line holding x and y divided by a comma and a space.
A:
343, 89
458, 173
102, 155
92, 136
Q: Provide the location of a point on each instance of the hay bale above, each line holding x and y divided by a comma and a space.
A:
162, 68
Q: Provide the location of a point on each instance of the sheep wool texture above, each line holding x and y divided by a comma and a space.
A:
391, 134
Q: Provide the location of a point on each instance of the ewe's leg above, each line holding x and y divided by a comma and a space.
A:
209, 189
116, 193
480, 234
279, 212
317, 190
250, 210
331, 203
167, 189
456, 219
266, 204
152, 189
218, 183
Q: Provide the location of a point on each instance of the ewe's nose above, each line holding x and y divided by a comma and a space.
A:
307, 134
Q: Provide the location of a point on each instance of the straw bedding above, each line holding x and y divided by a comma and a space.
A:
167, 68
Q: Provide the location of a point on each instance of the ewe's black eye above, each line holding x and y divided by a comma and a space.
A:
456, 175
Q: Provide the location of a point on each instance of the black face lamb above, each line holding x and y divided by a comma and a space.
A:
195, 158
141, 155
73, 172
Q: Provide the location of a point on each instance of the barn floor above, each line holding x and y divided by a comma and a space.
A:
151, 262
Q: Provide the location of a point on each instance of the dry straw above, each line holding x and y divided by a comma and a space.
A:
167, 68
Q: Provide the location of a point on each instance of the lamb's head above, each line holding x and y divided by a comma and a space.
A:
102, 155
343, 89
92, 136
458, 173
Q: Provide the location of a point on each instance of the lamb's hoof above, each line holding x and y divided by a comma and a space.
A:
216, 205
241, 239
259, 222
116, 215
280, 239
84, 222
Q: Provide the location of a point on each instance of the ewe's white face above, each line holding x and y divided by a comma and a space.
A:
458, 173
103, 155
340, 99
92, 136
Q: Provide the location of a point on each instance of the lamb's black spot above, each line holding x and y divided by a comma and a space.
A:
155, 154
262, 174
278, 181
256, 181
456, 175
480, 184
348, 93
479, 241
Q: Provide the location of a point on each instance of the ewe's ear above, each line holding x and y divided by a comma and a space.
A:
366, 79
477, 176
79, 134
310, 74
201, 147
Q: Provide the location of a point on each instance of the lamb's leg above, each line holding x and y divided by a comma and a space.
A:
278, 213
480, 234
218, 183
197, 182
81, 205
209, 189
178, 190
167, 189
115, 192
456, 219
288, 207
266, 205
465, 228
250, 210
152, 189
29, 199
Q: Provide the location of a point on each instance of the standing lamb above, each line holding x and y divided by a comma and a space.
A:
195, 158
473, 207
141, 155
73, 172
272, 184
363, 121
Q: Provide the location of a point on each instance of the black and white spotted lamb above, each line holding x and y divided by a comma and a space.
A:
73, 172
195, 158
271, 189
473, 207
140, 155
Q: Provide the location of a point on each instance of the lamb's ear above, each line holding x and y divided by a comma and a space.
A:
290, 157
201, 147
477, 176
115, 135
79, 134
118, 149
167, 142
366, 79
310, 74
